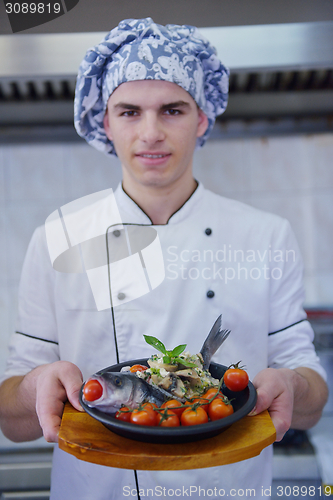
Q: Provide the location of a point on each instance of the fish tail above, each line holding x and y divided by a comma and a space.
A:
213, 341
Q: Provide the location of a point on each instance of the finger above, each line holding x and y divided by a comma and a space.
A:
280, 409
51, 428
264, 400
73, 398
49, 415
72, 388
281, 414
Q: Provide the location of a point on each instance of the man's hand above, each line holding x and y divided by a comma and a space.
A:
275, 393
34, 403
294, 398
56, 383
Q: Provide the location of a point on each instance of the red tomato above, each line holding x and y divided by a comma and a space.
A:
203, 402
175, 406
194, 416
150, 406
138, 368
143, 417
219, 409
236, 379
167, 418
92, 390
211, 393
124, 414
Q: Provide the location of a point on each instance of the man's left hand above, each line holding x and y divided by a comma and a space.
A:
294, 398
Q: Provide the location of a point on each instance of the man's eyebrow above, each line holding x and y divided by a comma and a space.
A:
134, 107
177, 104
124, 105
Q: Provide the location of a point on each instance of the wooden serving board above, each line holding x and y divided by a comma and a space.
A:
89, 440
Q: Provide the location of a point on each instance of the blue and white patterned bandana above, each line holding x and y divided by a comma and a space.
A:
139, 49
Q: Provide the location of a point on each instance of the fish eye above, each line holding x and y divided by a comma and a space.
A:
117, 381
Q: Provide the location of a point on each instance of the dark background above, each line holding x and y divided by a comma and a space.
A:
102, 15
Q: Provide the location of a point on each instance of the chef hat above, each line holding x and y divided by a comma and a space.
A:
139, 49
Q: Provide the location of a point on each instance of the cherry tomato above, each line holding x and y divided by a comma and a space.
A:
194, 416
236, 379
167, 418
92, 390
211, 393
175, 406
203, 402
143, 417
150, 406
138, 368
219, 409
124, 414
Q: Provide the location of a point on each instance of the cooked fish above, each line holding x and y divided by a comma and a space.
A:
123, 389
180, 382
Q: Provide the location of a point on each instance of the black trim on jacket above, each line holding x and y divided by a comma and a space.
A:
286, 327
38, 338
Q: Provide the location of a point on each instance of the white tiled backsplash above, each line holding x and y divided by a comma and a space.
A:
290, 176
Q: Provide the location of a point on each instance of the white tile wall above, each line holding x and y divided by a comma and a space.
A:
2, 176
22, 218
320, 148
318, 287
3, 253
323, 228
35, 173
290, 176
279, 164
89, 171
324, 287
3, 260
4, 322
222, 167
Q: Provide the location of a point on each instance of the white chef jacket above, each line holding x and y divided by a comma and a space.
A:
220, 256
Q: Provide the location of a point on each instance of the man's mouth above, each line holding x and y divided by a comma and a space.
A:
153, 156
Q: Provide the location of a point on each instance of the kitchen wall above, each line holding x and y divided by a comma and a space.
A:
290, 176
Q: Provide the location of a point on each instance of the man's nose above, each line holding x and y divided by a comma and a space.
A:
151, 130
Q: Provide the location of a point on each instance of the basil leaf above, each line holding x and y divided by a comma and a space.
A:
184, 362
153, 341
178, 350
166, 360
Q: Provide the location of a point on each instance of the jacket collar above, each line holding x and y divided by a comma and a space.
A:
131, 212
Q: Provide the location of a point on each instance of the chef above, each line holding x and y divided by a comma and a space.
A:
150, 94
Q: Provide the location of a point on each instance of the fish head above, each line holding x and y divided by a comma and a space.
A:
107, 391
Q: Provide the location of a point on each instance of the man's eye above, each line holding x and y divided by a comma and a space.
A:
172, 112
129, 113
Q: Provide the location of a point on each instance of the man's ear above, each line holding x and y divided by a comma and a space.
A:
106, 125
202, 123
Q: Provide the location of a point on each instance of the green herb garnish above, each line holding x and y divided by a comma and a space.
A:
169, 356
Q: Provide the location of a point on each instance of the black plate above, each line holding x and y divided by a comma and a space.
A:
242, 402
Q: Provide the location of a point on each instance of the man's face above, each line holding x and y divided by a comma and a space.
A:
154, 126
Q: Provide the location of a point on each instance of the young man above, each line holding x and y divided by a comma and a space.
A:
150, 94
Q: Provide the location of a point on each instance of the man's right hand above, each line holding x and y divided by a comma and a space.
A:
34, 403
